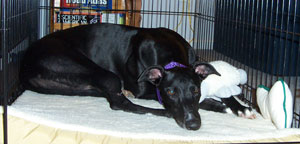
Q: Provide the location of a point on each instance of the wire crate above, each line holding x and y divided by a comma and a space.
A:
262, 37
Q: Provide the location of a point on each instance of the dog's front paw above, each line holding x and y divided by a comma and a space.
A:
239, 108
127, 93
246, 113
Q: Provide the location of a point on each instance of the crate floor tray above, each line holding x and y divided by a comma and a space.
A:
38, 118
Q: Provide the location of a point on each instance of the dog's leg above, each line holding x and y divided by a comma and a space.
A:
213, 105
111, 84
119, 102
238, 109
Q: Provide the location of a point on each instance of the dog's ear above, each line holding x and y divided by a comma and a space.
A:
204, 69
153, 74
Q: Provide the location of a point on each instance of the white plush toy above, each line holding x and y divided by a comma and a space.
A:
276, 104
223, 86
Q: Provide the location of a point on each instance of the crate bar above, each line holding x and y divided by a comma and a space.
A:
275, 32
286, 49
209, 32
192, 23
211, 20
143, 15
194, 36
205, 31
295, 92
297, 70
169, 12
235, 29
149, 24
196, 27
252, 10
262, 44
253, 36
244, 35
231, 26
184, 27
201, 28
280, 40
216, 25
160, 12
115, 13
222, 23
248, 20
258, 41
4, 32
267, 32
151, 17
218, 21
212, 27
197, 19
269, 41
240, 34
296, 63
223, 17
242, 27
163, 17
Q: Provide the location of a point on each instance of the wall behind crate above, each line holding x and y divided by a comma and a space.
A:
186, 17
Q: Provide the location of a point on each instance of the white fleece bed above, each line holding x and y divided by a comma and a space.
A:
91, 115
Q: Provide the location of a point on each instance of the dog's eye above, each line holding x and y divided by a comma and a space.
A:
196, 90
171, 92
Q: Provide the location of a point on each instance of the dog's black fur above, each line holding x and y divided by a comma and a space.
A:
101, 59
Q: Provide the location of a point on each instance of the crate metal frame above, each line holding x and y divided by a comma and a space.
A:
217, 29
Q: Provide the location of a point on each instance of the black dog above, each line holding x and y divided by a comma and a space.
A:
101, 59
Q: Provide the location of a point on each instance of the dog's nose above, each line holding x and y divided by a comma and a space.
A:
193, 124
192, 120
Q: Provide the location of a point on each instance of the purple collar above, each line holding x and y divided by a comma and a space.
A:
173, 64
170, 65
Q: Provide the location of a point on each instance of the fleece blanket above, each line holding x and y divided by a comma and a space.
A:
93, 115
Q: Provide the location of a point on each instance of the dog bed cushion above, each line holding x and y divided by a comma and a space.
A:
38, 118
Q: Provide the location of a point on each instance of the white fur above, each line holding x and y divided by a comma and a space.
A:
228, 110
223, 86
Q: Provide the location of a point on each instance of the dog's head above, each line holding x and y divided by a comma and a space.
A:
179, 89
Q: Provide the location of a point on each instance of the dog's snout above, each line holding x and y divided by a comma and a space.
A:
193, 121
193, 124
